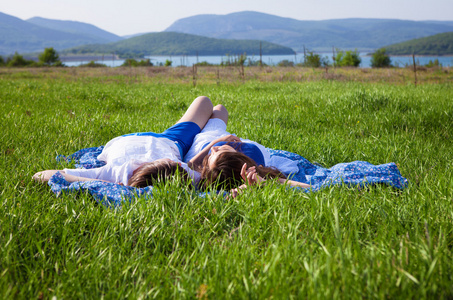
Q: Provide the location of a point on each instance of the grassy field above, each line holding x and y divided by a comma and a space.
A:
269, 243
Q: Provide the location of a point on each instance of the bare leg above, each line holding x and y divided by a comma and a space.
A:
198, 112
220, 112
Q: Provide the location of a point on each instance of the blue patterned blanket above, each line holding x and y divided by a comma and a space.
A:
357, 174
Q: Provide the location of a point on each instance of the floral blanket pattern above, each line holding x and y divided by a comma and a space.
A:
356, 174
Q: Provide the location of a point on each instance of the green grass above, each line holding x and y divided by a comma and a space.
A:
267, 243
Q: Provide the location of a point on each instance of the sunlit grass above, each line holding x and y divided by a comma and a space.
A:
272, 242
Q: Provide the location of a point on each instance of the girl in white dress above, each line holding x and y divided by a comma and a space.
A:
162, 153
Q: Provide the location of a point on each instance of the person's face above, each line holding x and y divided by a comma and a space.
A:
215, 151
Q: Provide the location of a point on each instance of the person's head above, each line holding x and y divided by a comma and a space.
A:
224, 169
157, 171
218, 150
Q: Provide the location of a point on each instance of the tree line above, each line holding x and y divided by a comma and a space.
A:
342, 58
347, 58
49, 57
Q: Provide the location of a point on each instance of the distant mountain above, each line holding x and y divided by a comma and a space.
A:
76, 28
439, 22
135, 34
439, 44
22, 36
173, 43
364, 34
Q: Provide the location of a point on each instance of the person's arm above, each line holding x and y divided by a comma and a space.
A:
250, 177
44, 176
293, 183
196, 161
72, 178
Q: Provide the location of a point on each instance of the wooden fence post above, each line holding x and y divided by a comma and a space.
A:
194, 75
333, 56
243, 75
218, 76
261, 56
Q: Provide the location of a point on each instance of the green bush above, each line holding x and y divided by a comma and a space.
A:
93, 64
168, 63
347, 58
49, 57
285, 63
380, 59
59, 64
130, 62
432, 64
315, 60
19, 61
145, 63
204, 64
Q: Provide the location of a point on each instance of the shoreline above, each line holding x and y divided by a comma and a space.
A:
418, 55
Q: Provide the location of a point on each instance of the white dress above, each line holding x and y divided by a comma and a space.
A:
124, 154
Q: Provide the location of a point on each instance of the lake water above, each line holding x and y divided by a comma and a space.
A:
401, 61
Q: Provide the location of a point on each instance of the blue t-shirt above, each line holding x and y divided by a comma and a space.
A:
248, 149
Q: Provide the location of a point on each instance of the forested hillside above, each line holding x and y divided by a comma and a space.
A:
439, 44
172, 43
316, 35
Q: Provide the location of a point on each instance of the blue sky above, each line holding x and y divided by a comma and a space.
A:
139, 16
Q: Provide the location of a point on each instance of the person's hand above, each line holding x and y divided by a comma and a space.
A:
250, 176
44, 176
227, 138
235, 192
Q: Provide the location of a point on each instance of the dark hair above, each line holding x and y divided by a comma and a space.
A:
227, 170
157, 171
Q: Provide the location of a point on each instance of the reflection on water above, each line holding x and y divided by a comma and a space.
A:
400, 61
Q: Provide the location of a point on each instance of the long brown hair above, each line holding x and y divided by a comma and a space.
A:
227, 170
157, 171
